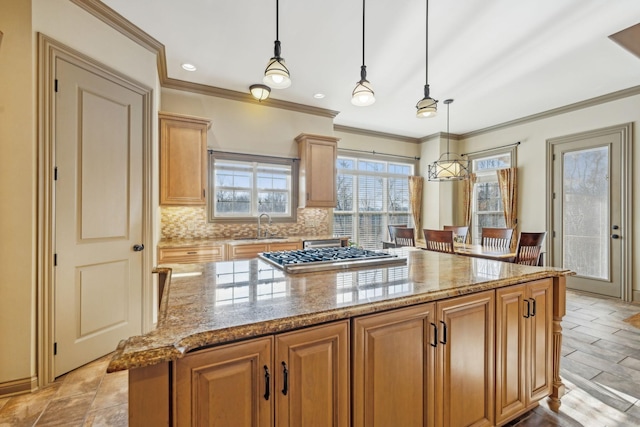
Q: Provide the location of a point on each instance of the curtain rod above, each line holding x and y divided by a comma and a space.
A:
210, 151
491, 149
382, 154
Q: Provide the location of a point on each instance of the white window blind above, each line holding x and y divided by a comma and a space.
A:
371, 195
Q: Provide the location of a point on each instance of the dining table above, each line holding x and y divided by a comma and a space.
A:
473, 250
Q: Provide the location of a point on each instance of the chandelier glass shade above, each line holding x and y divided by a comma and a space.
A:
260, 92
449, 167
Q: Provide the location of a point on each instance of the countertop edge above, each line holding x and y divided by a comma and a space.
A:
124, 360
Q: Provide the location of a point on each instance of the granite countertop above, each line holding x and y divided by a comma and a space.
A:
173, 243
215, 303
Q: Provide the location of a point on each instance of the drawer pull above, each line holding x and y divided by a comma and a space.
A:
192, 253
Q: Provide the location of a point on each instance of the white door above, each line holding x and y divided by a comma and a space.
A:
98, 216
587, 212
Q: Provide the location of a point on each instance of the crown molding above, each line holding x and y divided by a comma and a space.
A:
366, 132
613, 96
127, 28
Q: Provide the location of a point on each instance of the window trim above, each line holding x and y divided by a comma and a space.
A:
495, 152
221, 155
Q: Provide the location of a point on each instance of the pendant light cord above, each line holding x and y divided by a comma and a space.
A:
448, 103
277, 18
426, 44
363, 1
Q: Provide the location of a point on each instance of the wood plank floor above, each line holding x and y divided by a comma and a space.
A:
600, 367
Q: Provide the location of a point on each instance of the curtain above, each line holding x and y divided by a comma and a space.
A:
468, 192
507, 180
415, 201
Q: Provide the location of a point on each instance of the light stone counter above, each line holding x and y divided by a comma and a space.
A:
214, 303
175, 243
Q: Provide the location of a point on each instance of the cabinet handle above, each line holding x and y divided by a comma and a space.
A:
285, 374
533, 310
192, 253
267, 381
435, 335
444, 333
528, 314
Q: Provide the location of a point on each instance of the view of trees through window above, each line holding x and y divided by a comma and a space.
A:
371, 195
486, 205
246, 188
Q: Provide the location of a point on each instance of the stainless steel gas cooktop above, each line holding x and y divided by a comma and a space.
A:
334, 258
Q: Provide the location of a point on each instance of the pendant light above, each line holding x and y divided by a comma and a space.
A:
363, 94
427, 106
276, 75
448, 167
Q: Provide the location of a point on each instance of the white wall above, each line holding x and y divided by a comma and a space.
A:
532, 157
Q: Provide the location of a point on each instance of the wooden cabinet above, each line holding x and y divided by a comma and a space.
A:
244, 385
312, 377
187, 254
426, 365
394, 368
318, 155
227, 386
183, 159
523, 347
251, 250
465, 361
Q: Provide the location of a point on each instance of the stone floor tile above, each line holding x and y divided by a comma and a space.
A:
113, 391
74, 408
114, 416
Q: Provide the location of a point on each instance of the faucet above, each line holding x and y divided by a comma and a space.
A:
259, 218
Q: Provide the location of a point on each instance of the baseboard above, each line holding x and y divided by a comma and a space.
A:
635, 296
24, 385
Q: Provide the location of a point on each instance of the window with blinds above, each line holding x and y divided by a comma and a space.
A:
371, 195
241, 187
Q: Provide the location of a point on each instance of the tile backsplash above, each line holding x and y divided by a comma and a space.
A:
190, 222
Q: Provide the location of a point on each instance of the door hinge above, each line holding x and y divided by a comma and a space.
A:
554, 157
203, 193
554, 234
55, 260
55, 173
55, 348
55, 86
554, 195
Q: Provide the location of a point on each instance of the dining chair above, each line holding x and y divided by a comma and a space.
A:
459, 231
404, 236
496, 237
392, 231
529, 248
439, 240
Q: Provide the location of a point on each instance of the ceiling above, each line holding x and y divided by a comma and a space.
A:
500, 60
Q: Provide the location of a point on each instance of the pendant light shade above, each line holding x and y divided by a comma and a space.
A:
276, 75
449, 167
427, 106
260, 92
363, 94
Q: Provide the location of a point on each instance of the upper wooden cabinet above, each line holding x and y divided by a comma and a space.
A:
318, 155
183, 159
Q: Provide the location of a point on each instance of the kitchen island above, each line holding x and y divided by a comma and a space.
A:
443, 340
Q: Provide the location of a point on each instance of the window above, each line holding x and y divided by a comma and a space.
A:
242, 186
371, 195
486, 203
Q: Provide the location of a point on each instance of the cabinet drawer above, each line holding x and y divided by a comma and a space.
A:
246, 251
185, 254
285, 246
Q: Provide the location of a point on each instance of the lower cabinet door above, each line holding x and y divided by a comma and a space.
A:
540, 339
226, 386
393, 368
312, 377
465, 361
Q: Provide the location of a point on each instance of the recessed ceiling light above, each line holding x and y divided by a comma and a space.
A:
189, 67
318, 95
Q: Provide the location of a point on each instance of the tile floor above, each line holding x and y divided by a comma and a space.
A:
600, 368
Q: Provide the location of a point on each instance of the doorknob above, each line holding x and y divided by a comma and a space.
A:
138, 248
615, 236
